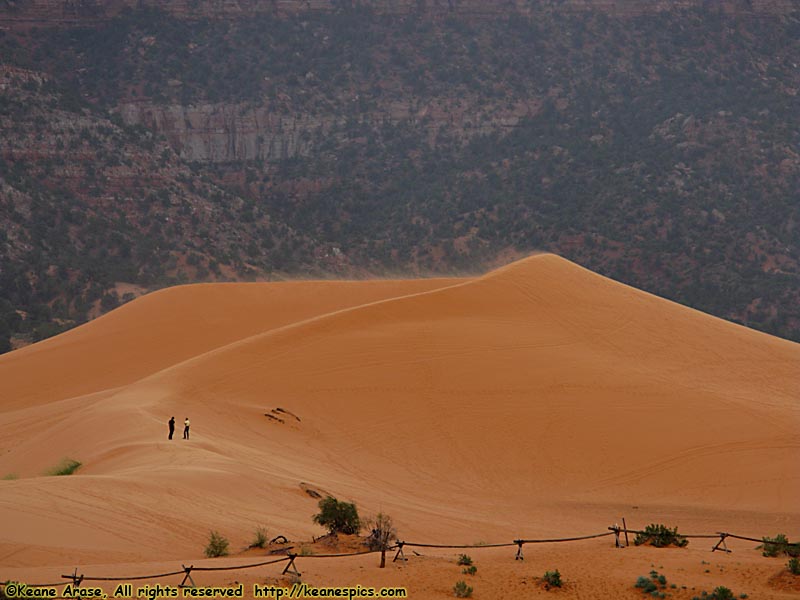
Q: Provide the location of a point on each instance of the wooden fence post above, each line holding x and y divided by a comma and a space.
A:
721, 541
519, 555
291, 568
76, 579
399, 555
187, 577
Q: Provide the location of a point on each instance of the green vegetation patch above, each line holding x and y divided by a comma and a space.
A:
338, 517
660, 536
217, 545
66, 467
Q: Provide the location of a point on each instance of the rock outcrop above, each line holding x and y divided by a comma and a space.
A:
243, 132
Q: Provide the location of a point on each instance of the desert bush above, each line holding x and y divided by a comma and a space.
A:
470, 570
261, 538
774, 546
721, 593
552, 579
382, 532
10, 477
217, 545
646, 584
66, 467
464, 559
794, 566
462, 590
660, 536
650, 585
338, 517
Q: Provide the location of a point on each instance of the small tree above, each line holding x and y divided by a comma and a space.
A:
338, 517
383, 532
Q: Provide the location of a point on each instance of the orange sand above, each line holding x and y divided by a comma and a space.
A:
540, 400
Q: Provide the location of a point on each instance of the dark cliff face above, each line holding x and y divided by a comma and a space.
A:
77, 11
142, 148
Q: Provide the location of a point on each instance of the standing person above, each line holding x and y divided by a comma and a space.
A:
171, 427
186, 428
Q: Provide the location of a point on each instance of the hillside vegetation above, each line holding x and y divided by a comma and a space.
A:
149, 149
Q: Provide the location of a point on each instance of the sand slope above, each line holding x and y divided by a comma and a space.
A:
166, 327
539, 398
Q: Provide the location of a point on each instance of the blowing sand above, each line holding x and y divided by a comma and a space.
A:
540, 400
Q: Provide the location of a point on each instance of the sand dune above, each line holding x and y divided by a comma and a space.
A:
539, 398
163, 328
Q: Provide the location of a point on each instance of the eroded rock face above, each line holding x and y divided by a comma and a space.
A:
73, 11
243, 132
225, 132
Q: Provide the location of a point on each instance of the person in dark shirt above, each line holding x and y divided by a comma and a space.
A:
171, 427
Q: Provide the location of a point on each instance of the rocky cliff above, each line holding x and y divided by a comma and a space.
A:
242, 132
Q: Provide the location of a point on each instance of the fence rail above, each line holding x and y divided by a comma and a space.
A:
290, 557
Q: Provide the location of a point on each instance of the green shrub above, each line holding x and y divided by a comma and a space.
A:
660, 536
775, 546
338, 517
261, 538
722, 593
470, 570
794, 566
66, 467
462, 590
464, 559
10, 477
646, 584
217, 545
552, 579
